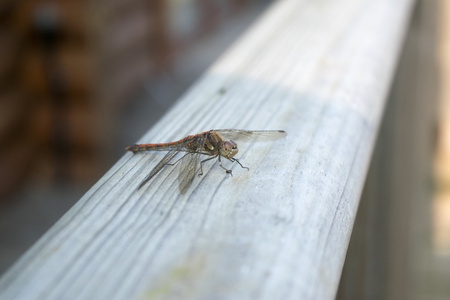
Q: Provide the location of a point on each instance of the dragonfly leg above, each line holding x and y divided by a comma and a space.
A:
236, 160
201, 165
227, 170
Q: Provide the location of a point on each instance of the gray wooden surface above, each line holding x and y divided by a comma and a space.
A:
319, 70
390, 255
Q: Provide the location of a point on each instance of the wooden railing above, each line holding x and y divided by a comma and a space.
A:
320, 70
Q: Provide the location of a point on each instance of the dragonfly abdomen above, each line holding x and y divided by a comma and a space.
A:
189, 143
152, 147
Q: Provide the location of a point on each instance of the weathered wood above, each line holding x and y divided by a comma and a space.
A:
390, 255
319, 70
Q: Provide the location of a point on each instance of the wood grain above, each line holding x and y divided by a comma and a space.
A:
319, 70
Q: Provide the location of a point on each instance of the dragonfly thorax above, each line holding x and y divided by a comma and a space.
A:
229, 149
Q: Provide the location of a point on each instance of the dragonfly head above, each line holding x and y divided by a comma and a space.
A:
229, 149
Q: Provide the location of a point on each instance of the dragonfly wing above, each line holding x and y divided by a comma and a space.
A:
251, 135
189, 167
166, 159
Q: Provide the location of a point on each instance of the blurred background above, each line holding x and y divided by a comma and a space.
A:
80, 80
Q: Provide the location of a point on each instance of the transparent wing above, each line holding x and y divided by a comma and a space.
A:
188, 167
166, 159
251, 135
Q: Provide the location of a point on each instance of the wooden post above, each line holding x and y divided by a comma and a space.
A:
390, 255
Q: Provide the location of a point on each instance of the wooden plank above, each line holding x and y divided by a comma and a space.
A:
319, 70
389, 255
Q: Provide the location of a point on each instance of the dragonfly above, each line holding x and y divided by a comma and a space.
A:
213, 143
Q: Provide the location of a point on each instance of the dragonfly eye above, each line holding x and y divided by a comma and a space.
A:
229, 149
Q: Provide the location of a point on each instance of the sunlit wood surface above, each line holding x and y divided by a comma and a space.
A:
320, 70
